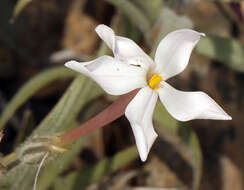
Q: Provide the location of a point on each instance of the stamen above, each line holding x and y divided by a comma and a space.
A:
154, 80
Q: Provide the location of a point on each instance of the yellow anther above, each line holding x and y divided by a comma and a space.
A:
154, 80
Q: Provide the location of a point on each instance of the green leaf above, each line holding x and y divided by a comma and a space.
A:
61, 118
84, 177
31, 87
228, 51
81, 91
20, 5
197, 159
58, 120
57, 165
135, 14
152, 8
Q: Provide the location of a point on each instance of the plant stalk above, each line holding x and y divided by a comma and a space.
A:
112, 112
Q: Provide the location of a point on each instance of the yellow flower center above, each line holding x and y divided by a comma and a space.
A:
154, 80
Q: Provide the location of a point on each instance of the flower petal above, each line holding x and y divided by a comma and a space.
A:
185, 106
173, 52
123, 48
107, 35
113, 76
139, 112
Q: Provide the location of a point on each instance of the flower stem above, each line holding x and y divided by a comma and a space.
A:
112, 112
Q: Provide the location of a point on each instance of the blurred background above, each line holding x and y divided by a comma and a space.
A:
40, 98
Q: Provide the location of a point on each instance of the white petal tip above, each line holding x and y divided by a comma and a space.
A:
99, 27
77, 66
221, 115
70, 64
107, 35
202, 34
143, 157
102, 29
144, 154
227, 117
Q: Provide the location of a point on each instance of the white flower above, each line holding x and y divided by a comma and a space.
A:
131, 68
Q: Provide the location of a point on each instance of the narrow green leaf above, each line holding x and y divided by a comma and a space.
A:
20, 5
61, 118
57, 165
58, 120
197, 160
81, 91
227, 51
84, 177
152, 8
135, 14
31, 87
